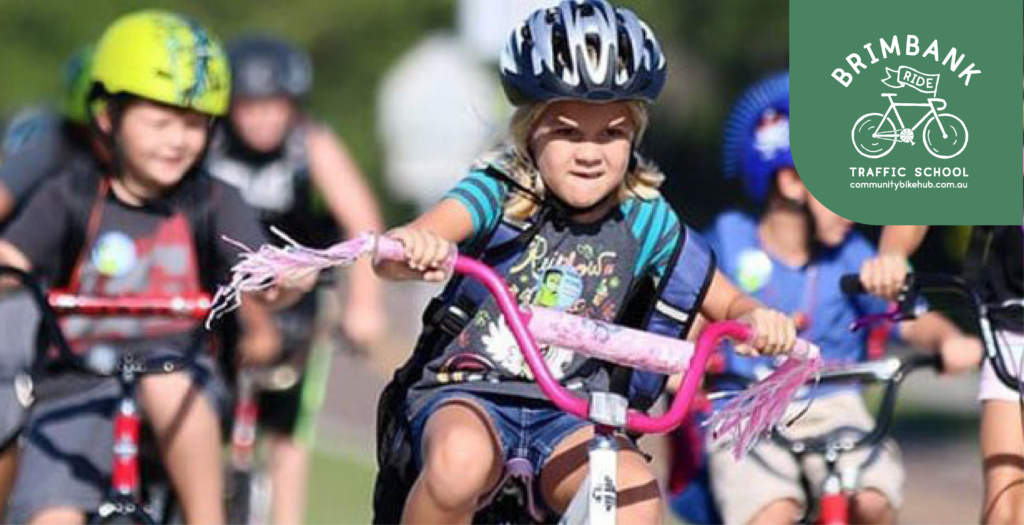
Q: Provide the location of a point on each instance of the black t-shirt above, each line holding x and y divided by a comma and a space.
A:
998, 269
42, 230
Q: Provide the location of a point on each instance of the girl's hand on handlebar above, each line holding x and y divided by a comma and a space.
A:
773, 332
425, 252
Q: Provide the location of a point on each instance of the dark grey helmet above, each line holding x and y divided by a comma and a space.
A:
585, 50
264, 65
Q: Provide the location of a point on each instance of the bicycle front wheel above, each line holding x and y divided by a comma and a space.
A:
949, 144
864, 135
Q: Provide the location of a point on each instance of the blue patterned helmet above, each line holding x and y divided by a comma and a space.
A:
756, 143
582, 50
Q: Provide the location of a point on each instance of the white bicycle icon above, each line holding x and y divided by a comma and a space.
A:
945, 135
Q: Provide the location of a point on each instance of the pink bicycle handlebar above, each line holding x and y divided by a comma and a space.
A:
612, 342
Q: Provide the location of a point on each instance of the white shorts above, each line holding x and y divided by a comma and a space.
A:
991, 388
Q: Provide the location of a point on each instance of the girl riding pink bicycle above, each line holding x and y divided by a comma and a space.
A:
571, 215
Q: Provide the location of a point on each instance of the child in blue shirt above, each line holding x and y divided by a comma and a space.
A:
791, 257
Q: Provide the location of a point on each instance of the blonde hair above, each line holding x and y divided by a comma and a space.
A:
513, 158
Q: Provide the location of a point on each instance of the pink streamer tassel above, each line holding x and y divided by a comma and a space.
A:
757, 410
262, 269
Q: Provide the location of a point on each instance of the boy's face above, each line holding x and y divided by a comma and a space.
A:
830, 229
582, 149
263, 122
160, 143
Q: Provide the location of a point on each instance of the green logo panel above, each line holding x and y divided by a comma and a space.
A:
905, 112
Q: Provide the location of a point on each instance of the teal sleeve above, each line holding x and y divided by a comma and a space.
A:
482, 195
656, 228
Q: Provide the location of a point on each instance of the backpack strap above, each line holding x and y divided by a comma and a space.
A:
200, 218
87, 193
674, 307
979, 247
680, 295
498, 247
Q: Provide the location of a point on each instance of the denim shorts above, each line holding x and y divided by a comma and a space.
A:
530, 429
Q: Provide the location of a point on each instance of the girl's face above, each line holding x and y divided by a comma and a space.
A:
262, 122
582, 149
159, 143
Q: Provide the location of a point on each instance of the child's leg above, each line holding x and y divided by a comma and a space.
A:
763, 487
872, 507
8, 468
462, 460
880, 471
785, 510
58, 516
639, 497
289, 467
1002, 444
188, 431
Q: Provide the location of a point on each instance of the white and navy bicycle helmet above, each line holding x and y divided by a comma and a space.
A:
264, 65
583, 50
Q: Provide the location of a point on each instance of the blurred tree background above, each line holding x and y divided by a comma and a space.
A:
715, 49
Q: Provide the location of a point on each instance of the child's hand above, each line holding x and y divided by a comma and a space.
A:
961, 354
884, 275
774, 333
425, 252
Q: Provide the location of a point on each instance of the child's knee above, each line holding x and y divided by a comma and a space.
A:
58, 515
639, 497
460, 464
871, 506
1006, 509
174, 401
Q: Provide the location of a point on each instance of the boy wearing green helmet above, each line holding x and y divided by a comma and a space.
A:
159, 80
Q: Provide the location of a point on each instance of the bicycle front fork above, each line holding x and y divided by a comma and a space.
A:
596, 500
835, 502
836, 492
125, 475
124, 479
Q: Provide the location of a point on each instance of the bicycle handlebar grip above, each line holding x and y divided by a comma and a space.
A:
388, 249
850, 284
610, 342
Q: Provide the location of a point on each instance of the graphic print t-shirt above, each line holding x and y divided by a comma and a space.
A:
582, 269
133, 251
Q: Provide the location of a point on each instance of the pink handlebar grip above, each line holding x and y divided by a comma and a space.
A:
388, 249
610, 342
